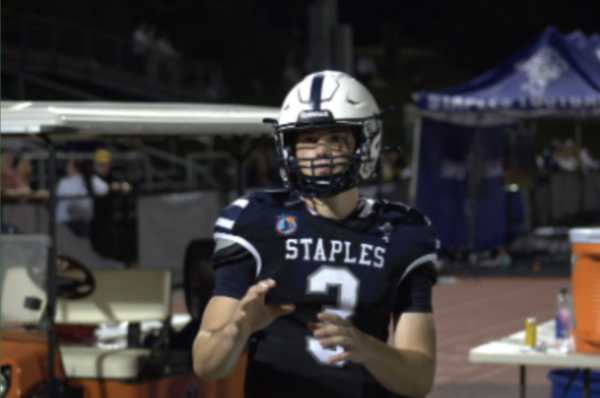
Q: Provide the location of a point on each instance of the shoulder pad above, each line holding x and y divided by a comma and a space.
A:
409, 215
231, 213
414, 226
255, 201
277, 197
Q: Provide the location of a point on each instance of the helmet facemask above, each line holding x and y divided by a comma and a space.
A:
356, 167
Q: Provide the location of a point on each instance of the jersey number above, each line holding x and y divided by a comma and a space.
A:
348, 286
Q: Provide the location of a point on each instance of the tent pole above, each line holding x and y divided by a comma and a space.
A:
473, 191
578, 137
412, 190
578, 145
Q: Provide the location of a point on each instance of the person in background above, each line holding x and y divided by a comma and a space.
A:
6, 162
15, 186
152, 55
15, 177
292, 74
567, 156
588, 163
169, 58
547, 160
140, 39
9, 188
103, 232
367, 69
102, 166
9, 178
140, 45
23, 170
164, 45
74, 192
102, 159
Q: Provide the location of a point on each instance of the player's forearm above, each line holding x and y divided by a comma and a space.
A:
216, 353
405, 372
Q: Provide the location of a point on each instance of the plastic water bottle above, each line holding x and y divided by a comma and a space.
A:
564, 316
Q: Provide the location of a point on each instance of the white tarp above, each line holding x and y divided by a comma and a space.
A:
32, 218
168, 223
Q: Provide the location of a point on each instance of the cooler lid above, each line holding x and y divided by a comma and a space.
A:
584, 235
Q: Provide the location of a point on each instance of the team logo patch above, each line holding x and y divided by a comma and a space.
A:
387, 230
286, 225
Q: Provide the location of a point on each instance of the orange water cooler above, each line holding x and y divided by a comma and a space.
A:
585, 275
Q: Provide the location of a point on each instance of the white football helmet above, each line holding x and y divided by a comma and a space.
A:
328, 99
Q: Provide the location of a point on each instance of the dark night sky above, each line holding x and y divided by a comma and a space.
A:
251, 37
478, 34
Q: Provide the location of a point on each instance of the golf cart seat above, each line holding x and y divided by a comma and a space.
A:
129, 295
22, 277
22, 300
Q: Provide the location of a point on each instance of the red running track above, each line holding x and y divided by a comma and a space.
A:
474, 311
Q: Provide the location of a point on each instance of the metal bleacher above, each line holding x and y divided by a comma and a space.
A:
65, 57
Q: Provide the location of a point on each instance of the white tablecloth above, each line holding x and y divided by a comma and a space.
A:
512, 350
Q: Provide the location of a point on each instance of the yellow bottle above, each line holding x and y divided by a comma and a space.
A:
530, 332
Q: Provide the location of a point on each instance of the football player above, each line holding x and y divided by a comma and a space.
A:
311, 276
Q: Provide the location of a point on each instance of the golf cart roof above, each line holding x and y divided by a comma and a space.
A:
118, 119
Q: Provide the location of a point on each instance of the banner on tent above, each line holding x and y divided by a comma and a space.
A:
458, 103
556, 73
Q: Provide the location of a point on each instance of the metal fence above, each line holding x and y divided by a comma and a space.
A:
150, 169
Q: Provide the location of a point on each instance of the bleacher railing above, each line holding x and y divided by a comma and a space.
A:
49, 44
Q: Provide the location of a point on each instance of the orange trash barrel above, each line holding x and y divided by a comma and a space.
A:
585, 275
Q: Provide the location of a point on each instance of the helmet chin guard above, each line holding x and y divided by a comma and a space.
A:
328, 99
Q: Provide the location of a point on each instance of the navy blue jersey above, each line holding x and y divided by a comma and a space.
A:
233, 280
349, 267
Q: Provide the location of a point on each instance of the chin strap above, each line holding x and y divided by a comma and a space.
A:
387, 149
270, 121
383, 113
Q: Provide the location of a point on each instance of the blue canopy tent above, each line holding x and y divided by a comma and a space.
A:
590, 44
457, 162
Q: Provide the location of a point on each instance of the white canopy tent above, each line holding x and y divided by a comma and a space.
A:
118, 119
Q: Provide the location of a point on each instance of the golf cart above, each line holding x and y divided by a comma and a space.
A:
45, 295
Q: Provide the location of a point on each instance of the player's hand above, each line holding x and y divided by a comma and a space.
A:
334, 331
252, 313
